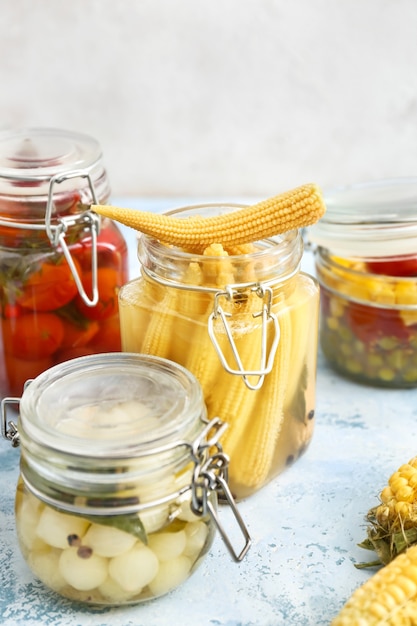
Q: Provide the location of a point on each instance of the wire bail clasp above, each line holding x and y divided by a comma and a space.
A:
266, 360
57, 233
8, 428
209, 475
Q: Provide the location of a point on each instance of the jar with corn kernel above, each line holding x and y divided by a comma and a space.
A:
60, 265
246, 325
120, 471
366, 263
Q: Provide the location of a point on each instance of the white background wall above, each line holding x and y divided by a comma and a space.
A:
219, 97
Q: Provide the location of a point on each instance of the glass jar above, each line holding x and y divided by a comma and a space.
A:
60, 266
366, 262
117, 496
246, 326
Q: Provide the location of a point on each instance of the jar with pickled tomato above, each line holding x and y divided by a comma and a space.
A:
366, 263
60, 266
120, 471
246, 326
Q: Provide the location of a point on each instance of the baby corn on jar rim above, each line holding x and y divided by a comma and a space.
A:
369, 220
276, 259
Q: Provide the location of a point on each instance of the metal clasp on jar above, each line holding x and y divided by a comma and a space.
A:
57, 232
210, 474
8, 427
266, 360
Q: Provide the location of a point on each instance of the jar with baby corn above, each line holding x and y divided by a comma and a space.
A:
244, 322
366, 262
120, 472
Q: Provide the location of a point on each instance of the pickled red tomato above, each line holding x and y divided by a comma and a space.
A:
406, 266
50, 287
19, 371
369, 323
369, 343
79, 334
108, 339
32, 337
108, 288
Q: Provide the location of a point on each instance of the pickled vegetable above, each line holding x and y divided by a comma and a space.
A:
94, 562
369, 322
270, 426
43, 319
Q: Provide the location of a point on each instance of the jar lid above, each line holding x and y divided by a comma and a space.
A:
30, 157
110, 406
369, 220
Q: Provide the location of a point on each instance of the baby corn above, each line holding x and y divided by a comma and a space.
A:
294, 209
250, 468
213, 322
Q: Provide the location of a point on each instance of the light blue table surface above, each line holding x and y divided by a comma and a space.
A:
305, 525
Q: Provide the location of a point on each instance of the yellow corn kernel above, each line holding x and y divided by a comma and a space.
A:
407, 470
410, 572
386, 494
406, 292
402, 509
388, 597
380, 291
405, 494
397, 481
294, 209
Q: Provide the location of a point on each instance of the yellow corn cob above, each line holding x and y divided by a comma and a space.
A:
298, 208
393, 523
252, 464
389, 597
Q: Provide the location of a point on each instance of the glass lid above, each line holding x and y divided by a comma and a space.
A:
369, 220
31, 157
110, 405
44, 152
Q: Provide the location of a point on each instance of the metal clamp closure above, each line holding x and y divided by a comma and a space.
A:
266, 360
210, 474
8, 428
57, 233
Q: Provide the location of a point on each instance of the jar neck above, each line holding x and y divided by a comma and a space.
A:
274, 259
349, 277
106, 486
